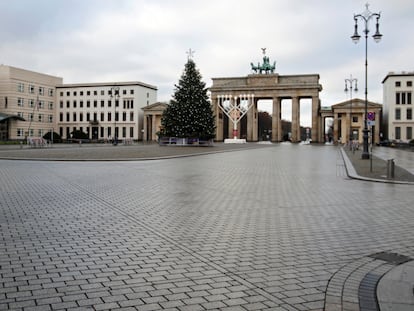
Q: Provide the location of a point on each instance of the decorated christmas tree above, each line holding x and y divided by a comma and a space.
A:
189, 114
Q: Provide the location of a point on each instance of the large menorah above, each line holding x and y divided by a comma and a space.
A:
235, 107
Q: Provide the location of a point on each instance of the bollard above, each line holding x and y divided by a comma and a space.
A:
390, 168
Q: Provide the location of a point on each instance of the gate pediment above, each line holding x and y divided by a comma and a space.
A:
262, 80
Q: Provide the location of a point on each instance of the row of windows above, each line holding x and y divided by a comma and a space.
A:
127, 104
40, 117
95, 117
408, 132
402, 98
408, 83
32, 89
102, 133
408, 114
95, 93
31, 132
32, 103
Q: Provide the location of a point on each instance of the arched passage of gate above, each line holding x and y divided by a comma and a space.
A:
269, 86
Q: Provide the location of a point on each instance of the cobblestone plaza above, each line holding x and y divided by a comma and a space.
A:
260, 229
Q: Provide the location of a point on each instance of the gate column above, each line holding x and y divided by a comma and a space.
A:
316, 126
276, 120
295, 119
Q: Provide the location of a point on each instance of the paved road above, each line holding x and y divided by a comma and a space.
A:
259, 229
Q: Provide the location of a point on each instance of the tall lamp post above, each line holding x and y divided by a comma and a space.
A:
351, 82
365, 17
115, 94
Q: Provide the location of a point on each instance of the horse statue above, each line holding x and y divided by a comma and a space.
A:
266, 67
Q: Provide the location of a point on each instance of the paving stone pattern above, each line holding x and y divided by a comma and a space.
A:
260, 229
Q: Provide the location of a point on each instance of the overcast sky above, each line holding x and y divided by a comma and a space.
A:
147, 40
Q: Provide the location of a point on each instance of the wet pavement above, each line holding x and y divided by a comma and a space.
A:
279, 227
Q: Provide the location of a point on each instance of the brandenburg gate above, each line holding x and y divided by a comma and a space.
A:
232, 98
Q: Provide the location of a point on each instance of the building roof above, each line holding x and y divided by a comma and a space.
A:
110, 84
398, 74
5, 116
155, 106
356, 102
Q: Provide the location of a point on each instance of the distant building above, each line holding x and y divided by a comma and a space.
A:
32, 104
349, 118
104, 110
398, 107
27, 103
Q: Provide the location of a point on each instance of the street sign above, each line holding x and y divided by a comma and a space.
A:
370, 123
371, 116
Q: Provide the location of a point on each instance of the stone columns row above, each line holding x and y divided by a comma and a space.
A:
277, 119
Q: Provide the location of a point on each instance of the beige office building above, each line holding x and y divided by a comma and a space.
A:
32, 104
27, 103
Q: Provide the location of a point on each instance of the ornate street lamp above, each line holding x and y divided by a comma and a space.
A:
351, 82
115, 94
365, 17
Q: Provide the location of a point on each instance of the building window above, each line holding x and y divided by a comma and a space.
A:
397, 114
409, 114
20, 87
131, 92
40, 118
102, 132
102, 116
408, 98
88, 117
109, 116
102, 103
95, 93
74, 104
95, 103
95, 117
409, 83
20, 102
61, 131
397, 132
30, 116
67, 93
109, 103
41, 90
20, 132
117, 103
31, 103
61, 94
74, 117
50, 118
102, 92
31, 89
123, 131
61, 104
80, 117
131, 116
116, 116
397, 98
81, 104
75, 93
50, 92
354, 119
409, 133
397, 83
124, 116
81, 93
50, 105
40, 133
67, 116
67, 104
109, 132
131, 132
88, 104
61, 117
41, 104
88, 93
124, 92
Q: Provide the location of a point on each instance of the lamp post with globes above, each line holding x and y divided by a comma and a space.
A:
115, 94
351, 82
366, 17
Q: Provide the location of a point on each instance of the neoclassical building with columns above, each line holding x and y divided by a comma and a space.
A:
247, 91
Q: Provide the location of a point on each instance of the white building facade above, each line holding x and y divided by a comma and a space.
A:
104, 111
398, 106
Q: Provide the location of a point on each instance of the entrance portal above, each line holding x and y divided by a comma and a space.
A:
264, 84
